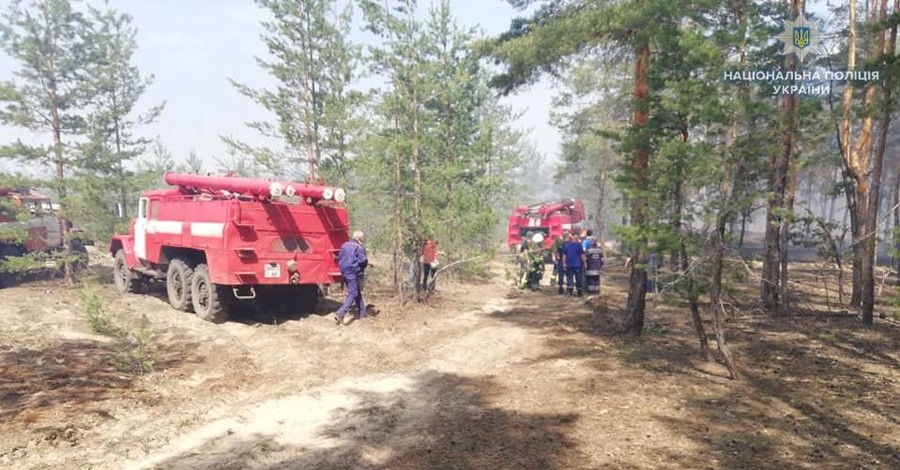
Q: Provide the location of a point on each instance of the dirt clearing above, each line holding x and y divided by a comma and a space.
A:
474, 380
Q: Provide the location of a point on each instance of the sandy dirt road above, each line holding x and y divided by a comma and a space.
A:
478, 379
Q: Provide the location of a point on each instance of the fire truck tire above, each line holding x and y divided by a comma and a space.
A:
125, 280
208, 298
178, 285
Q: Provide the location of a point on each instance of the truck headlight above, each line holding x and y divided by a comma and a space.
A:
340, 195
327, 193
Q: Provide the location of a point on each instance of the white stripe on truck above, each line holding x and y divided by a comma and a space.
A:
171, 227
207, 229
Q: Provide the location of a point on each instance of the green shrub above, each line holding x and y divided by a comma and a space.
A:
97, 317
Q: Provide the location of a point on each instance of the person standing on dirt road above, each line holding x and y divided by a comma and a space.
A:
353, 262
573, 260
429, 261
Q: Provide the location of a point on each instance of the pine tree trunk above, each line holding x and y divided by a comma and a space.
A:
715, 305
601, 224
313, 124
637, 284
745, 214
123, 193
870, 245
678, 200
858, 165
896, 231
791, 193
59, 163
693, 300
778, 169
856, 272
398, 222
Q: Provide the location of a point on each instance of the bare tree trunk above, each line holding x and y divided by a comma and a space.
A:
637, 283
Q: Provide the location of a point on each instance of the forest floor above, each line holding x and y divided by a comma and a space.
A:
484, 377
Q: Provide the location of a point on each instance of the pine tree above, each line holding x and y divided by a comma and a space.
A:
155, 166
49, 42
395, 149
313, 63
107, 162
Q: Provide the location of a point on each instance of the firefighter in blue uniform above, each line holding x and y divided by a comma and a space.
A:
573, 260
557, 254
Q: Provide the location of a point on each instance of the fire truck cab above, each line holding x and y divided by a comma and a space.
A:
218, 242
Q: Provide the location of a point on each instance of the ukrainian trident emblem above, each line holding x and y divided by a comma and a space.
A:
801, 36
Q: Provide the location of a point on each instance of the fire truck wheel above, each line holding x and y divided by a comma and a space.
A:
208, 297
178, 285
125, 280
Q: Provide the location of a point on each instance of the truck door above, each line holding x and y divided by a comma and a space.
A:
53, 224
140, 230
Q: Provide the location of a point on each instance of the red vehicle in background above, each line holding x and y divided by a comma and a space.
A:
218, 241
547, 218
36, 222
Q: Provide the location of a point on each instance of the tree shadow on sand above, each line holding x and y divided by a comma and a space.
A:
73, 374
813, 395
817, 390
438, 421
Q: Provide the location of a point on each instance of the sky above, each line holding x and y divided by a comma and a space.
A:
192, 47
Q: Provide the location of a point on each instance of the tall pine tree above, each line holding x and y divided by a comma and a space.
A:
49, 40
313, 62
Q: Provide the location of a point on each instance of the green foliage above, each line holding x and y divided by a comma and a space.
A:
28, 262
98, 319
137, 351
440, 141
76, 82
106, 178
313, 65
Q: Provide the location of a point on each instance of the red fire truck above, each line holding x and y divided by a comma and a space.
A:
547, 218
218, 241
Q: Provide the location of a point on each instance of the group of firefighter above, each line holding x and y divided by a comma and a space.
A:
577, 259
